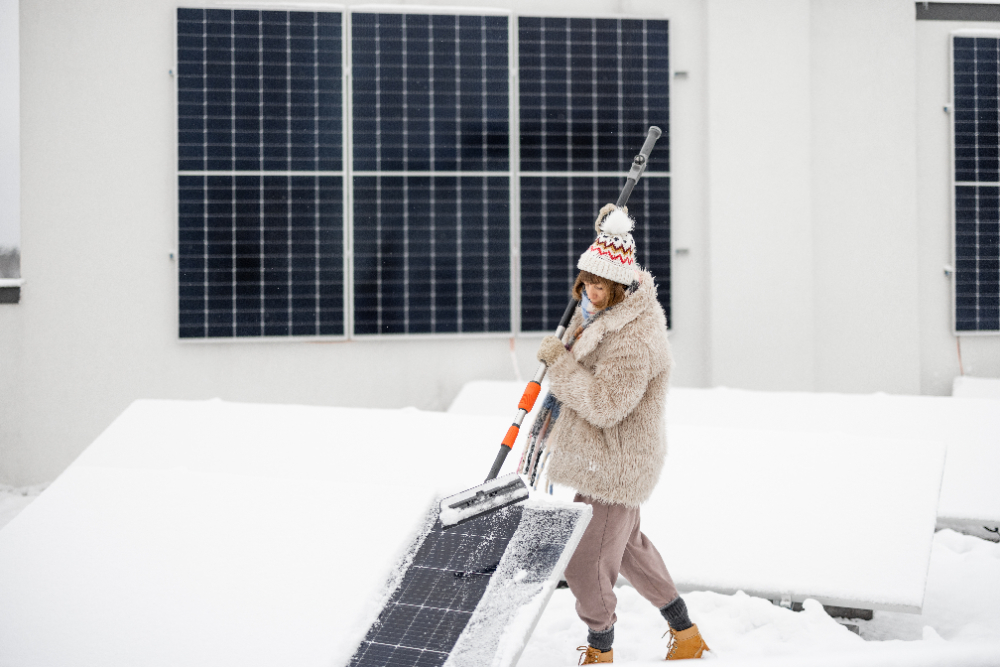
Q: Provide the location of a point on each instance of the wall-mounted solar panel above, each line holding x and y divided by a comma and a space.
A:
589, 90
976, 81
260, 173
431, 254
431, 173
557, 224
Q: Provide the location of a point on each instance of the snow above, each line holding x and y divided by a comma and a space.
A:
959, 625
965, 386
842, 519
15, 499
498, 399
211, 533
970, 428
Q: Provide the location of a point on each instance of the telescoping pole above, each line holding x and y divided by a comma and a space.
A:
534, 387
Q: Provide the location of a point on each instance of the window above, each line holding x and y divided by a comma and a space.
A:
424, 218
976, 90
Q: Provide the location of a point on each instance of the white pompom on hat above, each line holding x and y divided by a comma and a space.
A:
612, 254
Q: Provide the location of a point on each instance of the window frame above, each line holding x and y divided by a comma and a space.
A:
347, 171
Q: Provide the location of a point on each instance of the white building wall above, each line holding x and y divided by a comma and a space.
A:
864, 196
760, 277
809, 264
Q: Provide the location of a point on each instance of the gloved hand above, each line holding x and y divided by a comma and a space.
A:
550, 350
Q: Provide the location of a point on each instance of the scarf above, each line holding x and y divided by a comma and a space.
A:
535, 454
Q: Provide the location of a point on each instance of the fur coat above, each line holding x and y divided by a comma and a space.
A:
609, 442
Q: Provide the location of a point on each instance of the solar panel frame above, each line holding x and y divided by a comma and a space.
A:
501, 566
539, 312
293, 178
382, 164
975, 192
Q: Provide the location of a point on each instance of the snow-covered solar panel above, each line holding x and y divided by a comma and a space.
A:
431, 164
976, 81
589, 90
260, 192
429, 610
557, 224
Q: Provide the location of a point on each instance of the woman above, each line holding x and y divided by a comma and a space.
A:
610, 378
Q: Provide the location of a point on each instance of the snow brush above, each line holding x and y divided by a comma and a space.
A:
495, 493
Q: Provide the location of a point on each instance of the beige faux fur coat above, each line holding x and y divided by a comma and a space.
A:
609, 441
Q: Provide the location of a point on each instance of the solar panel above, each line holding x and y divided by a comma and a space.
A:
431, 99
431, 254
557, 224
464, 585
260, 256
430, 92
977, 258
425, 615
260, 249
258, 90
976, 80
260, 147
589, 88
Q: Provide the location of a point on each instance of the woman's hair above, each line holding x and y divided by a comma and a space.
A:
616, 291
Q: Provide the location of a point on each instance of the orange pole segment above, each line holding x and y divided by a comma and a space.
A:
529, 396
508, 440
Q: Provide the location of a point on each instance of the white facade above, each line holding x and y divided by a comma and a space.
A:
810, 162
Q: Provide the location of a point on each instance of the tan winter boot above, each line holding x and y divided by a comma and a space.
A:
590, 655
685, 644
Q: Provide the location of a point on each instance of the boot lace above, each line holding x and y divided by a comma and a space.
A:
587, 655
671, 643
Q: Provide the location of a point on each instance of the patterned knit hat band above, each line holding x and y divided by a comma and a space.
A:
612, 254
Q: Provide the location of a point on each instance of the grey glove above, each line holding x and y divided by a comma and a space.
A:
550, 350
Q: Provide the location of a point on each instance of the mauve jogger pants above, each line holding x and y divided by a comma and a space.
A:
611, 544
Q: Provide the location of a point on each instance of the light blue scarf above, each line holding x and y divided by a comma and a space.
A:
549, 413
588, 309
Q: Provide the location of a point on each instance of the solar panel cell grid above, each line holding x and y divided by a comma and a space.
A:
259, 90
587, 86
432, 605
260, 255
431, 254
976, 92
430, 92
977, 258
557, 224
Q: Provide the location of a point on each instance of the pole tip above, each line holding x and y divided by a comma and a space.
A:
655, 131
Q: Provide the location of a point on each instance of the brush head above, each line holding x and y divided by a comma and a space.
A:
487, 497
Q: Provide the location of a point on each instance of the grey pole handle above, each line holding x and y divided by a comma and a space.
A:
639, 164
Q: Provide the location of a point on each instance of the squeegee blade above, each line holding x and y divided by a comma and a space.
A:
478, 500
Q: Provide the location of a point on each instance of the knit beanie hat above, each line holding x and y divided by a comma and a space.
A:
612, 254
